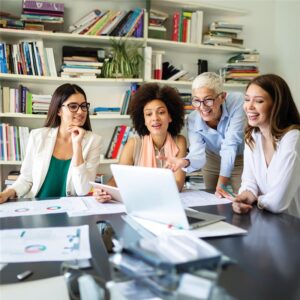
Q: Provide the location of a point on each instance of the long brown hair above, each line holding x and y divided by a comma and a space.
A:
61, 94
284, 113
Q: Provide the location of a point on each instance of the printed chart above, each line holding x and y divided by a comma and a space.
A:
54, 206
44, 244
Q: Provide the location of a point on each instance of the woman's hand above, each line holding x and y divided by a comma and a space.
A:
173, 163
101, 195
7, 194
77, 134
242, 203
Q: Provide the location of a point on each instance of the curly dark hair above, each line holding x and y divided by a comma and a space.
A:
152, 91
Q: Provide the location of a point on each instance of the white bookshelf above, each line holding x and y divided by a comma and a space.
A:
107, 91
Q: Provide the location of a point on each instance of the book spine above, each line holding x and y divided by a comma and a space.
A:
124, 141
111, 143
118, 142
38, 5
175, 31
3, 62
158, 66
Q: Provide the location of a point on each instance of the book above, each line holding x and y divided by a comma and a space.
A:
118, 143
178, 75
147, 62
51, 62
106, 109
112, 143
86, 19
43, 6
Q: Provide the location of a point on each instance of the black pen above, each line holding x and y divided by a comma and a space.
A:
24, 274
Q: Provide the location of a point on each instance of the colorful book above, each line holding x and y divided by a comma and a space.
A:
43, 6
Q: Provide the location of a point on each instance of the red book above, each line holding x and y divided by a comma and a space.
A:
118, 142
175, 32
184, 30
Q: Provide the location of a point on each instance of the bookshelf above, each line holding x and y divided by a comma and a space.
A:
101, 91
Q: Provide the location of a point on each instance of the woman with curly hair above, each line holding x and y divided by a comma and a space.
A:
157, 115
272, 151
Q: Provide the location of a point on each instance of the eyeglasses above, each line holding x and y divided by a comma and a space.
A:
73, 107
196, 102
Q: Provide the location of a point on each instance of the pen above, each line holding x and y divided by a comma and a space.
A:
24, 274
223, 186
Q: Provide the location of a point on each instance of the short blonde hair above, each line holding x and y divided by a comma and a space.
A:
209, 80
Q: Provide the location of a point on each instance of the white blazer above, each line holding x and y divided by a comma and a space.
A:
37, 160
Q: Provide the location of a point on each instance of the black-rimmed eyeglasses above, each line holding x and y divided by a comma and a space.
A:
73, 107
196, 102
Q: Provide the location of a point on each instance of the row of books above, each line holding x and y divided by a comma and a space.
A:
241, 68
111, 23
224, 34
187, 26
21, 100
82, 62
42, 12
156, 27
118, 140
11, 178
187, 102
27, 58
14, 140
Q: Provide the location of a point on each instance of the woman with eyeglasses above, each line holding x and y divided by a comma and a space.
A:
157, 115
63, 156
272, 151
216, 133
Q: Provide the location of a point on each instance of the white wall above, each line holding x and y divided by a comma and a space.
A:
287, 44
272, 27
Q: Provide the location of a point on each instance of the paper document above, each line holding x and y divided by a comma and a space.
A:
35, 207
44, 244
213, 230
96, 208
200, 198
56, 287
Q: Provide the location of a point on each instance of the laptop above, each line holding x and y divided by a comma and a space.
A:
152, 194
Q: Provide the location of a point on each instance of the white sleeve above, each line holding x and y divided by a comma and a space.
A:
24, 182
81, 175
249, 181
285, 178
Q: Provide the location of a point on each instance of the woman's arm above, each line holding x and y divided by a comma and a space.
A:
284, 178
126, 158
85, 172
180, 174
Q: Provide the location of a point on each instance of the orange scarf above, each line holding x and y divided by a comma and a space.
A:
148, 159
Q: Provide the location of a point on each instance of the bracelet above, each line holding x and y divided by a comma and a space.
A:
188, 162
260, 205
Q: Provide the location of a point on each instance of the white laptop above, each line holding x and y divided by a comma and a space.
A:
152, 194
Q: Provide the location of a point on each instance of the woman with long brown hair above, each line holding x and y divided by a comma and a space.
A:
272, 151
62, 157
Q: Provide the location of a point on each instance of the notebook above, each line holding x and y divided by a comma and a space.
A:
152, 194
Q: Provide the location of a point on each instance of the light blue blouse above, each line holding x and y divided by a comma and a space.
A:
227, 140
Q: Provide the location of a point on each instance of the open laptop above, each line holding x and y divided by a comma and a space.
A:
152, 194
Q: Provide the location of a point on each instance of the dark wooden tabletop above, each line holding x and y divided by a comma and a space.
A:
267, 257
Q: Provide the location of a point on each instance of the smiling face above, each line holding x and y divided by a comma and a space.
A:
157, 117
210, 114
69, 118
258, 105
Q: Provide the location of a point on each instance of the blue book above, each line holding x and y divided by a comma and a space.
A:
106, 109
3, 62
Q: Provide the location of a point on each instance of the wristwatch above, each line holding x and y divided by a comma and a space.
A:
188, 162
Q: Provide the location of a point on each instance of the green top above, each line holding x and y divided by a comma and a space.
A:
55, 182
